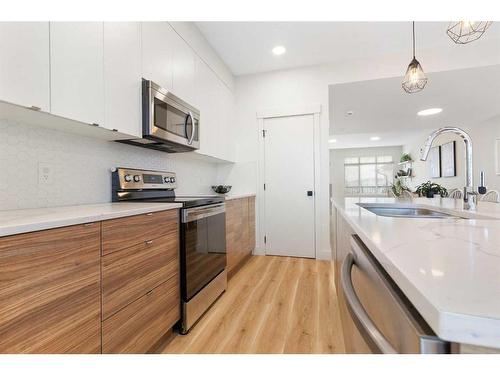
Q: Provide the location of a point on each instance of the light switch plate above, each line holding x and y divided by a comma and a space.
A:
45, 173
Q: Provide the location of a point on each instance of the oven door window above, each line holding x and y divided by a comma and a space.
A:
204, 252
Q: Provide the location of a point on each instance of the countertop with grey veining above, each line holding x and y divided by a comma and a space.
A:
35, 219
448, 268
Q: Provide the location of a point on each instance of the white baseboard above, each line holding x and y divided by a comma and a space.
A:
258, 251
324, 254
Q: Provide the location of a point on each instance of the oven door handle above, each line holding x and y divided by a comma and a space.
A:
365, 325
197, 213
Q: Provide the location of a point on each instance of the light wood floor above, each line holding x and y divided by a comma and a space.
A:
272, 305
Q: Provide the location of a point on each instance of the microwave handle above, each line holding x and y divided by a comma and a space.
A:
191, 137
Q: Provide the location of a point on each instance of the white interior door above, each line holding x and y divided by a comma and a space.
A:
289, 176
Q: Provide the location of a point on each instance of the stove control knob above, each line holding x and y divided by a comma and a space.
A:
127, 178
166, 180
137, 178
172, 180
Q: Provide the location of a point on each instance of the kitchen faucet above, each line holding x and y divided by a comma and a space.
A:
469, 185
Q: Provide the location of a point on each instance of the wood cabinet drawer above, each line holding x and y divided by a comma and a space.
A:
128, 231
130, 273
50, 291
137, 327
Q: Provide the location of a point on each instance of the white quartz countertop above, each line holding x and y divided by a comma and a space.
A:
31, 220
448, 268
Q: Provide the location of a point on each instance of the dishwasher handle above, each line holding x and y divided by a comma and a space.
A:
368, 329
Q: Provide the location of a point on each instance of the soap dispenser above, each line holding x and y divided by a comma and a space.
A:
482, 187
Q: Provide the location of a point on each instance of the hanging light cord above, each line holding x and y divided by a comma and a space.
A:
413, 39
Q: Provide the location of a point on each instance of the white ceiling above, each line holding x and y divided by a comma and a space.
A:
467, 97
246, 46
391, 138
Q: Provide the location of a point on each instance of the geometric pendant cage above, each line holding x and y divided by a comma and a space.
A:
463, 32
414, 79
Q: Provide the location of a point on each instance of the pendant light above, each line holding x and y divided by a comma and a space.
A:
415, 79
463, 32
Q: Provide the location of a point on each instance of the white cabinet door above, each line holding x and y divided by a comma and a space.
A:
216, 104
157, 40
76, 65
207, 99
122, 77
183, 79
226, 131
24, 64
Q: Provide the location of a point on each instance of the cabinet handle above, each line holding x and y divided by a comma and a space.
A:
149, 214
35, 108
94, 124
149, 242
88, 224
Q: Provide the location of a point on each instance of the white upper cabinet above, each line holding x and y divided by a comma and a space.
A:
122, 77
206, 97
24, 64
76, 65
184, 68
227, 132
157, 40
215, 102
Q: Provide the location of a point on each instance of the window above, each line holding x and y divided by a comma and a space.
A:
368, 175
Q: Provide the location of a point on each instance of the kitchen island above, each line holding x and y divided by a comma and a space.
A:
449, 269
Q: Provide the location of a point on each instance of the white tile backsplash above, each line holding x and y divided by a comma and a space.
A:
80, 167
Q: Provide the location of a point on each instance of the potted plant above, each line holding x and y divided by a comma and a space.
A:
398, 187
401, 173
428, 189
405, 157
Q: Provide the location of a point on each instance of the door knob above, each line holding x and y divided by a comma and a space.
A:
309, 193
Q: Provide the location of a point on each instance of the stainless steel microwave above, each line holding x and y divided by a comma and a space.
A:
168, 123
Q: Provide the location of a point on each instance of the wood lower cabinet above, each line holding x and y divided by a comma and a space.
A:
50, 291
53, 283
240, 232
124, 232
140, 281
137, 327
130, 273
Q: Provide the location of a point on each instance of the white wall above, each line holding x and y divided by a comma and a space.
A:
337, 157
310, 86
483, 140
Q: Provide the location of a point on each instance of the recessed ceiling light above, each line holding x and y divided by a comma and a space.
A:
333, 140
429, 111
279, 50
375, 138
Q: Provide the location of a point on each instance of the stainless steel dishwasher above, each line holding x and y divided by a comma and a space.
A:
376, 316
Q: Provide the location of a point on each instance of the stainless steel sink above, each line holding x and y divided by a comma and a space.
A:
412, 212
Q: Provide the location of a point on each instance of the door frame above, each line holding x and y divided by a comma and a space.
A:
315, 111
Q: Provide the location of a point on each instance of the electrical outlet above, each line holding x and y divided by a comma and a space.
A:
45, 173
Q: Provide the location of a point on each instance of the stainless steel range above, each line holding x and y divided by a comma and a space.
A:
202, 236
